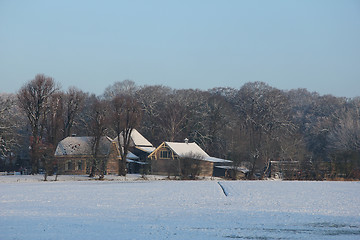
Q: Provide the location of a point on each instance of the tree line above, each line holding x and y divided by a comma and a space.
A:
251, 126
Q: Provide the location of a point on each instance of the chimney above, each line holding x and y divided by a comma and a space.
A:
186, 140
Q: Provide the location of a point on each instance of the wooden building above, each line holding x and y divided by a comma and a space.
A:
182, 159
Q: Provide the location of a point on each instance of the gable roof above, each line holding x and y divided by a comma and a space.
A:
137, 140
187, 149
82, 146
191, 149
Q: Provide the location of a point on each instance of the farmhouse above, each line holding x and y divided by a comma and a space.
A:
183, 159
74, 155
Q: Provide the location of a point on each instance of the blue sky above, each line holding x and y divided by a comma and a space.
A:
183, 44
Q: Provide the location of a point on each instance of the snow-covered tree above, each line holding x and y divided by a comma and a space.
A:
11, 124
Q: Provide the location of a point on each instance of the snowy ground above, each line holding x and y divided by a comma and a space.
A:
161, 209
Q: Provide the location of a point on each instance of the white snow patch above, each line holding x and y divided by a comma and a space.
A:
141, 209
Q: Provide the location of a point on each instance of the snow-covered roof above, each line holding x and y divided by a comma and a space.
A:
130, 155
82, 146
146, 149
187, 149
139, 140
240, 169
217, 160
136, 140
138, 162
192, 149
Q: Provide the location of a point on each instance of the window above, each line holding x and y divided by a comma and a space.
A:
68, 165
79, 166
165, 154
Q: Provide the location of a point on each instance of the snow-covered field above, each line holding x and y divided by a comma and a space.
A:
161, 209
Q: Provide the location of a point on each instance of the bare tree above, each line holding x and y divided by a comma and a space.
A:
210, 119
53, 122
151, 99
126, 87
125, 116
98, 125
172, 118
190, 166
54, 118
33, 99
266, 119
74, 102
